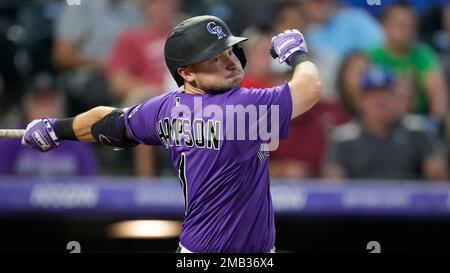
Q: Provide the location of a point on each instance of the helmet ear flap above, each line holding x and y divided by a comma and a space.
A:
178, 79
239, 52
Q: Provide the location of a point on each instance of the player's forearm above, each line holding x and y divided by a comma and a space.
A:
306, 88
82, 123
46, 134
305, 71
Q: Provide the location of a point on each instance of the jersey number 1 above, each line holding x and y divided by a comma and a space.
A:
182, 176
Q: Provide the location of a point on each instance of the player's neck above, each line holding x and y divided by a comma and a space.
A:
190, 89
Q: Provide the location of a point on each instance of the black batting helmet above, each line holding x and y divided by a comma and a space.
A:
198, 39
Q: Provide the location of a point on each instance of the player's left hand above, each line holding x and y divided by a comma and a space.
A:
40, 135
285, 44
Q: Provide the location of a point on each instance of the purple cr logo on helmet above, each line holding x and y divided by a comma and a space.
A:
214, 29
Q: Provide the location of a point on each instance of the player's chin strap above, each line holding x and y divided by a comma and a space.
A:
110, 130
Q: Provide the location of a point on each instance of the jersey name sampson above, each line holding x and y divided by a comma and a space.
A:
180, 131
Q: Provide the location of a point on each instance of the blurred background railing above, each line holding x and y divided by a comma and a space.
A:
162, 199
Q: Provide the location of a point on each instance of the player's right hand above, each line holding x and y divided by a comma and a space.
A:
40, 135
286, 44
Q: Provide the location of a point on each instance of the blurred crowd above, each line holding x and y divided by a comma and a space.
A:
385, 70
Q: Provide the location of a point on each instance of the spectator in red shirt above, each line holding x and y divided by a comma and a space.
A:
136, 67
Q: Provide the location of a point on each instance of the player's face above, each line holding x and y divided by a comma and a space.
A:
218, 74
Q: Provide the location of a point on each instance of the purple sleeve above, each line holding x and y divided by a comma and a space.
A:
273, 99
274, 111
141, 122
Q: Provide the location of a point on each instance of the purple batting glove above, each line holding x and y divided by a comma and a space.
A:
40, 135
285, 44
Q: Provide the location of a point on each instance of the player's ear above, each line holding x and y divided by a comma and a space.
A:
186, 74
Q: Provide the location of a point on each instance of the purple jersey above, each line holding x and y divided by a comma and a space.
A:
225, 180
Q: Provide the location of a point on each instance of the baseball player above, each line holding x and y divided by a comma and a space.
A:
225, 180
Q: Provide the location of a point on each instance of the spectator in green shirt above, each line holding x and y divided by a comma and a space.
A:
414, 62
